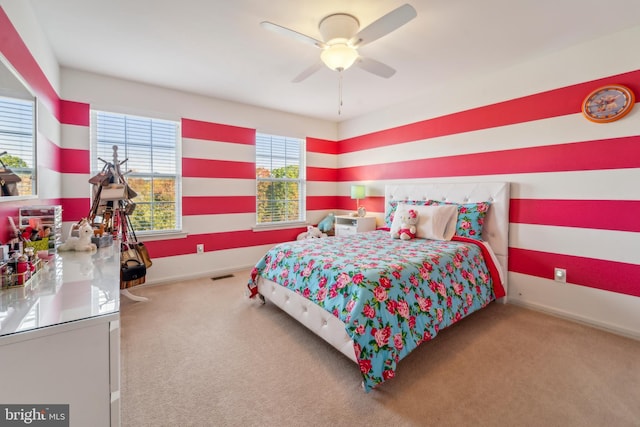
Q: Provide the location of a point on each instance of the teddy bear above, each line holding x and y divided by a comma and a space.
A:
311, 233
81, 242
408, 228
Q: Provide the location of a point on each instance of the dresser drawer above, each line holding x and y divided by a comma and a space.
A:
342, 229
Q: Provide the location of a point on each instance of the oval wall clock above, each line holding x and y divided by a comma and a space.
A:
608, 103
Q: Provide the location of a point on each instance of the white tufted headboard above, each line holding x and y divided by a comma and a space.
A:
496, 226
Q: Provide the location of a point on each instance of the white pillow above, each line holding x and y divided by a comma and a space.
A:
436, 222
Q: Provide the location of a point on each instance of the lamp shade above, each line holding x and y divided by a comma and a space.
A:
358, 192
339, 56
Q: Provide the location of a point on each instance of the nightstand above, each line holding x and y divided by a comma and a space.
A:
346, 224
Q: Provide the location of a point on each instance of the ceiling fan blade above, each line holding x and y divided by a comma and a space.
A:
384, 25
375, 67
307, 72
287, 32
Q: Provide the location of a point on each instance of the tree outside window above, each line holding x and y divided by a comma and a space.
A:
152, 167
280, 180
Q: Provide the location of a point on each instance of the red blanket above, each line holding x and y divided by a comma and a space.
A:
498, 288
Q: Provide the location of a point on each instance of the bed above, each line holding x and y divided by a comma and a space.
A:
375, 298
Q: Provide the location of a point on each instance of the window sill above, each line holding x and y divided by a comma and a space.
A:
18, 198
160, 235
280, 226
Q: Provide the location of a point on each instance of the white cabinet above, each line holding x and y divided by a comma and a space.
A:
70, 364
60, 338
346, 224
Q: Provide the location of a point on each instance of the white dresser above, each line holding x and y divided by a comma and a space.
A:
60, 338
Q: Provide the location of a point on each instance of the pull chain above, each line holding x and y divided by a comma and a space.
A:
339, 91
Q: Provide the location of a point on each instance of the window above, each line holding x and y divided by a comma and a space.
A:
280, 179
17, 152
151, 147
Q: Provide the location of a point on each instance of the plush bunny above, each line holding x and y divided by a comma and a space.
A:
81, 242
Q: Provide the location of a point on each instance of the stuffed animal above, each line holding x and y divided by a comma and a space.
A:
81, 242
408, 228
311, 233
327, 223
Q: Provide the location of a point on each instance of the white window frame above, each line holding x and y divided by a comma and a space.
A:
279, 161
123, 153
17, 139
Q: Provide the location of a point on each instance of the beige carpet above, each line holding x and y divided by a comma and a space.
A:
199, 353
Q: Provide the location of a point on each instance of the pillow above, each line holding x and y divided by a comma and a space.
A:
393, 204
436, 222
470, 218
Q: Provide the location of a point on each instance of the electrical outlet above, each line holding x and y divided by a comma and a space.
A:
200, 248
560, 275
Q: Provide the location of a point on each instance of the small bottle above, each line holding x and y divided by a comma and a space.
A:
23, 270
29, 251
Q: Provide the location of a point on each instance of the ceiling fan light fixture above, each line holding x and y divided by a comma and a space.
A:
342, 37
339, 56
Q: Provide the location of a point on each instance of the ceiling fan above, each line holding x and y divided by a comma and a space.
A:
341, 38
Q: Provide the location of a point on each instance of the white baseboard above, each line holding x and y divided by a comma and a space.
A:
166, 280
615, 329
609, 311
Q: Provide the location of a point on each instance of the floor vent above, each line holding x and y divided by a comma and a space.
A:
225, 276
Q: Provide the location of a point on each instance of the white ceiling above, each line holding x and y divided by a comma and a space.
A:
218, 48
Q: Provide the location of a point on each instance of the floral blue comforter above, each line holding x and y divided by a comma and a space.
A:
391, 294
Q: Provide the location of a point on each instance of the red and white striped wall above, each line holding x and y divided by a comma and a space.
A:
564, 172
49, 114
574, 187
574, 183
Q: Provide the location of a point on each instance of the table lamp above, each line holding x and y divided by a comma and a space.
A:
359, 192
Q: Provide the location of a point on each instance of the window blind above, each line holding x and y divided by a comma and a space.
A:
151, 149
280, 179
16, 129
17, 141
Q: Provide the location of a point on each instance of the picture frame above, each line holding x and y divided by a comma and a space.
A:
608, 103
